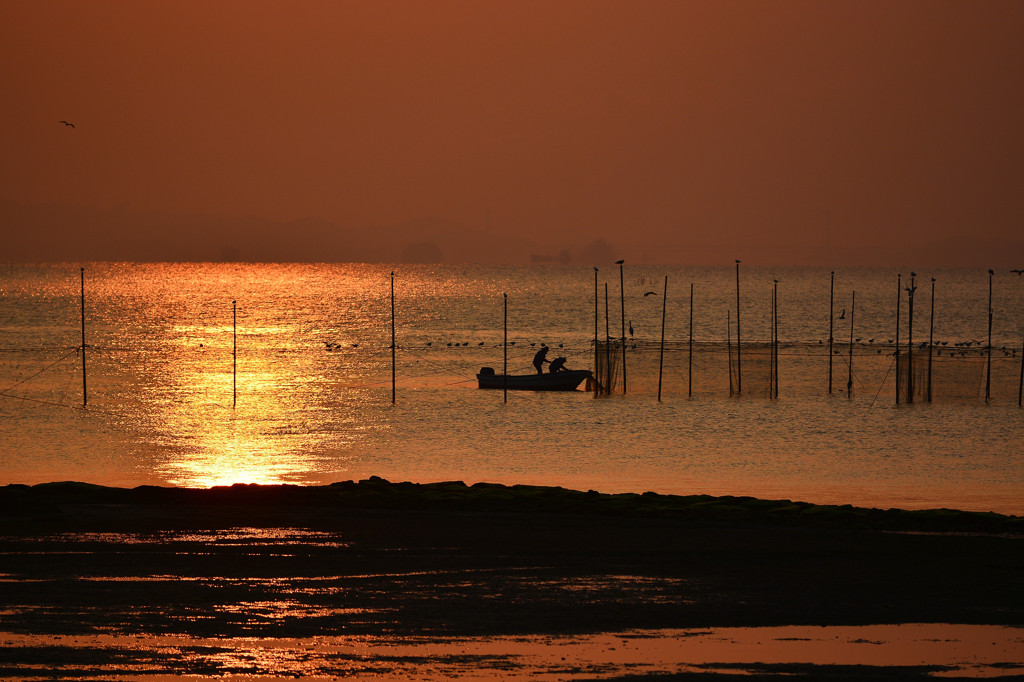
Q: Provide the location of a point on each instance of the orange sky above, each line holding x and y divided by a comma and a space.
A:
829, 133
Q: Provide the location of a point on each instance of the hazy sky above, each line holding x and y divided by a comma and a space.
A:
826, 132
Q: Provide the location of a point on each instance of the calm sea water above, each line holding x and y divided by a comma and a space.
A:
311, 400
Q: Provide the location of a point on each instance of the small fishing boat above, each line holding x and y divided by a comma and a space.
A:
566, 380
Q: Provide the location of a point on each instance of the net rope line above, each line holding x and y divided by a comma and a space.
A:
796, 349
56, 362
50, 403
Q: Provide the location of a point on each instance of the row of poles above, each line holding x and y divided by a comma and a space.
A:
773, 366
736, 389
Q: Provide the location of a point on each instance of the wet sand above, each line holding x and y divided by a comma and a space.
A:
447, 561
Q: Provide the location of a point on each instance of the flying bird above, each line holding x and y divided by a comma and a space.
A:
650, 293
1019, 272
68, 124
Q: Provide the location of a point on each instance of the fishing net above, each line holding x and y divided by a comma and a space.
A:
753, 370
960, 375
800, 370
607, 372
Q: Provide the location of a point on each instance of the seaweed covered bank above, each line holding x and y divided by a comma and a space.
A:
39, 501
449, 561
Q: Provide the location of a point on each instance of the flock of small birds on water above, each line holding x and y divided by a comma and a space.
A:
958, 348
330, 346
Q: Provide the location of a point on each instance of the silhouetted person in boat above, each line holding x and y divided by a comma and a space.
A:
540, 358
558, 365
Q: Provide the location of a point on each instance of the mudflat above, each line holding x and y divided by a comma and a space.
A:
447, 560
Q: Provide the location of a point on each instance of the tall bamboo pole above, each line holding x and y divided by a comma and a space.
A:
899, 298
739, 360
595, 320
931, 340
849, 376
689, 373
728, 345
85, 392
771, 347
661, 356
775, 339
1020, 386
910, 337
622, 301
393, 370
988, 367
607, 345
504, 352
831, 323
234, 354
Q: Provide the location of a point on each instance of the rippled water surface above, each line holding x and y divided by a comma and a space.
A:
307, 395
961, 651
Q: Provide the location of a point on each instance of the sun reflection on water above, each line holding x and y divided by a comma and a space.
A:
262, 412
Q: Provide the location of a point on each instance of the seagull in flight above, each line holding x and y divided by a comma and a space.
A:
650, 293
68, 124
1018, 272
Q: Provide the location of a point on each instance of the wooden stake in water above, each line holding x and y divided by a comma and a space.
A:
595, 321
899, 298
1020, 386
661, 356
910, 337
931, 340
728, 345
849, 376
831, 323
85, 392
775, 341
622, 300
771, 347
234, 354
689, 373
607, 346
393, 368
988, 367
739, 361
504, 352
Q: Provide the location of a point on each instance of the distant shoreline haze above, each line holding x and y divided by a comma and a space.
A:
66, 233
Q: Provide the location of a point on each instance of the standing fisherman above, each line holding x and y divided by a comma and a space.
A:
540, 358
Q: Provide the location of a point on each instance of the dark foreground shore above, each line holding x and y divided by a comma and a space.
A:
449, 560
